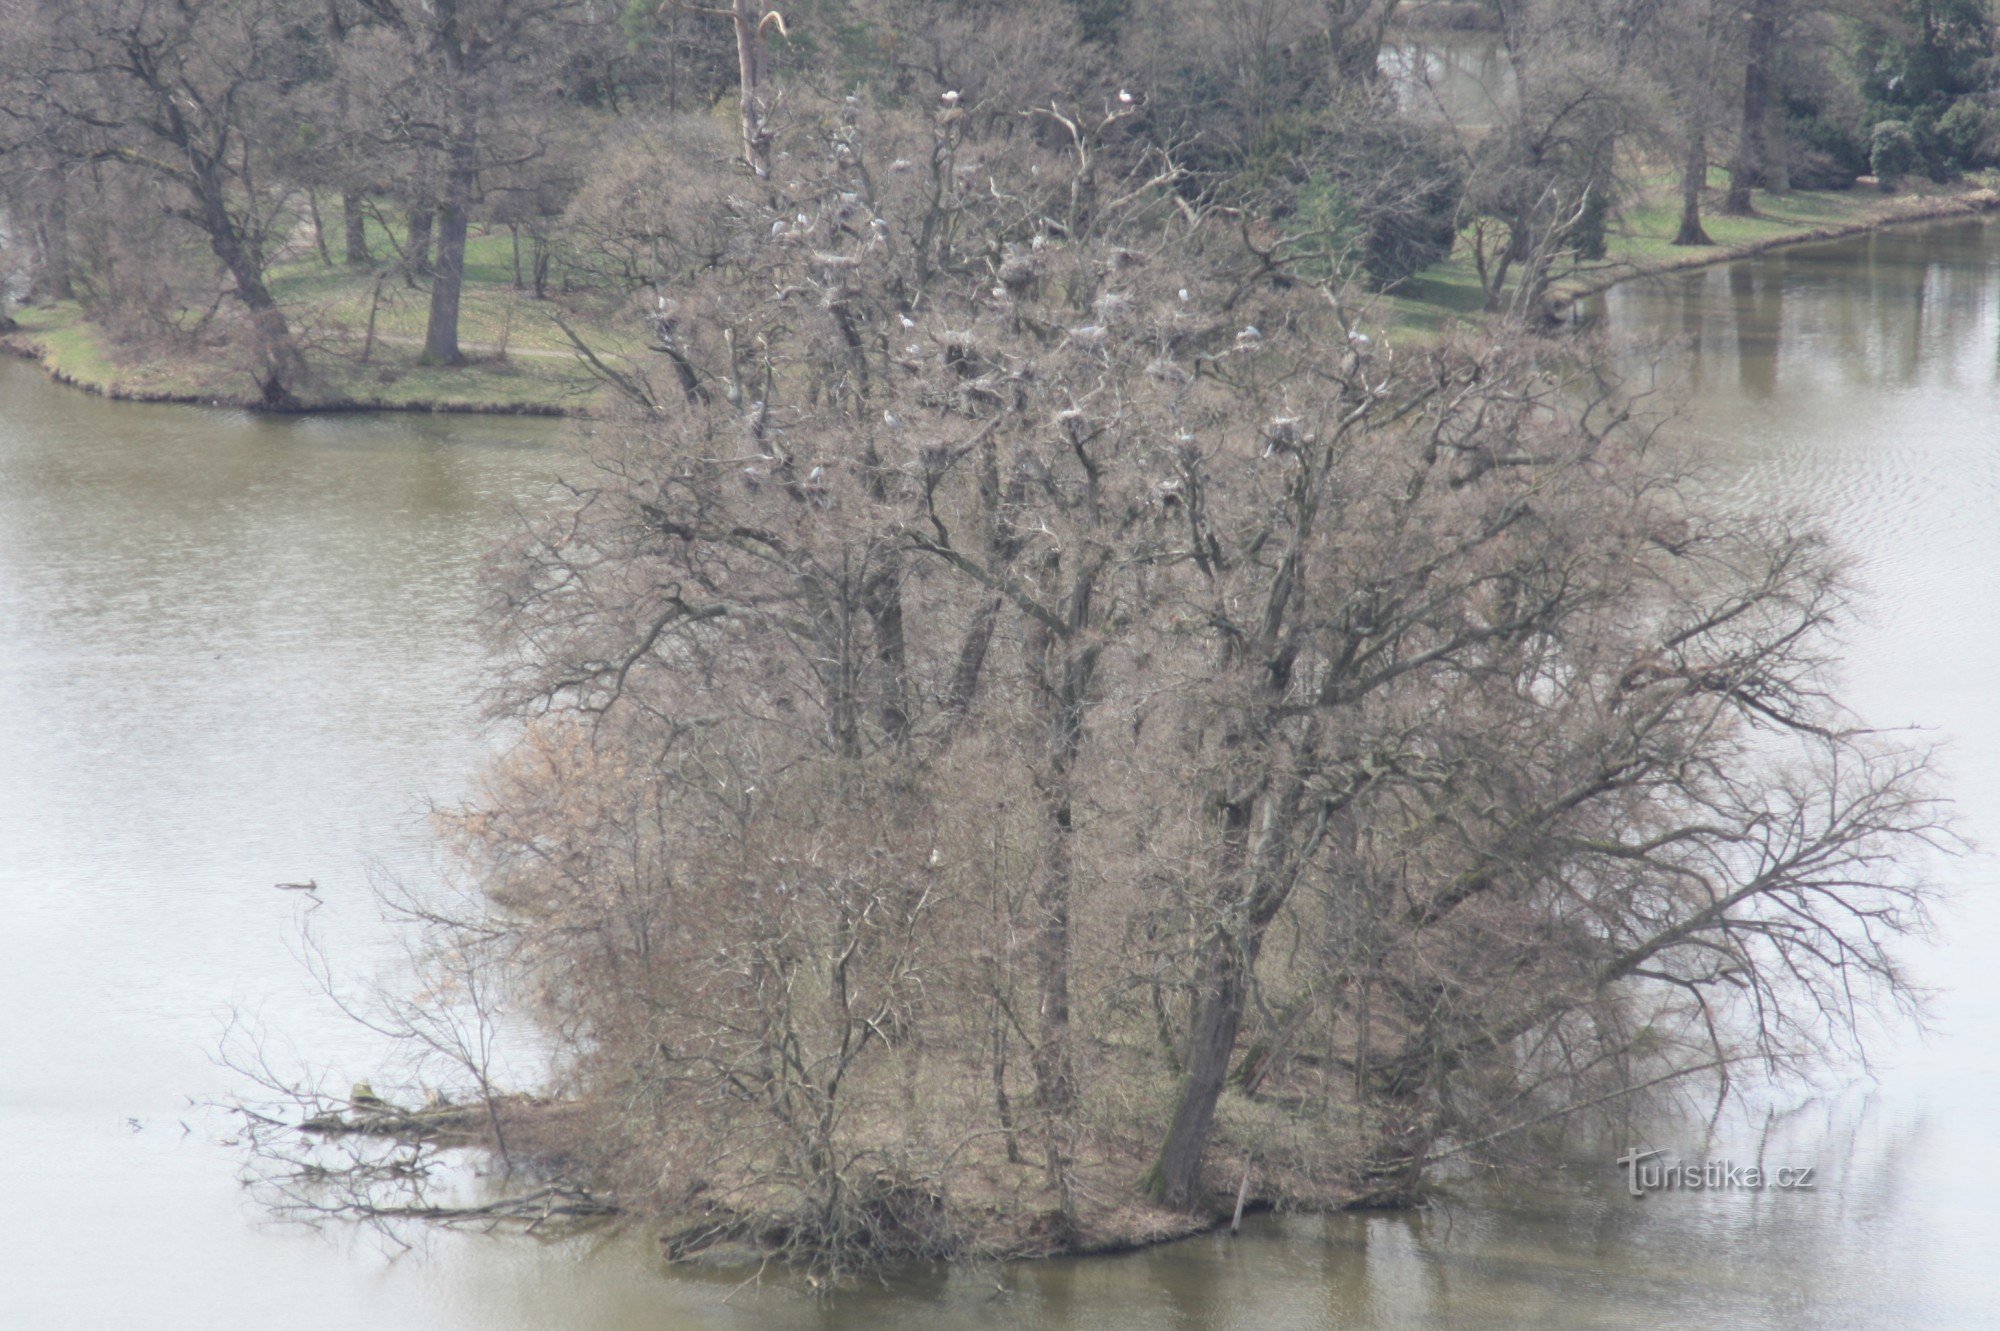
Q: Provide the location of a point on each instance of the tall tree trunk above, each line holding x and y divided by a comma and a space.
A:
1265, 877
1746, 169
1175, 1179
319, 228
751, 20
1054, 1062
1072, 669
417, 259
279, 364
52, 275
448, 275
1694, 175
355, 220
1777, 154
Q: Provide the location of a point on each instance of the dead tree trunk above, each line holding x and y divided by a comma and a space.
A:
751, 21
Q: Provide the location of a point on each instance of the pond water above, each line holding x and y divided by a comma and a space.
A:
236, 651
1462, 79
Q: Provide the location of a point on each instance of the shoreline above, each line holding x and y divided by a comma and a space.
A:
1900, 210
16, 344
24, 341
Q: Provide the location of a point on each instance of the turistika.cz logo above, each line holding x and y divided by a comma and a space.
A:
1642, 1177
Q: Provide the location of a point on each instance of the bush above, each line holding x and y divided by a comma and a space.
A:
1396, 186
1831, 140
1892, 151
1970, 134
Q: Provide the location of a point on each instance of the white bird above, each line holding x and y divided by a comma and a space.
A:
950, 97
816, 475
889, 419
1248, 338
1124, 98
660, 304
778, 227
1184, 295
906, 321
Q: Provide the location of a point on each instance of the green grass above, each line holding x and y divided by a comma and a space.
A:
78, 351
492, 312
518, 358
1449, 295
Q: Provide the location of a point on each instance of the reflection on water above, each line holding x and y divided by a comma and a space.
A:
236, 651
1464, 79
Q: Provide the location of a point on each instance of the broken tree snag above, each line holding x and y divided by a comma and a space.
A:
752, 22
474, 1123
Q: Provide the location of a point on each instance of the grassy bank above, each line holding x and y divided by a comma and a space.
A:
1641, 244
521, 361
518, 359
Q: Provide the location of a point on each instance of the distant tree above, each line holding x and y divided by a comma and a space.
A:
1695, 43
1762, 20
447, 74
189, 94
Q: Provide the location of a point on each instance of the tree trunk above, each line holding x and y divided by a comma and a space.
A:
279, 364
1694, 175
356, 223
539, 256
750, 20
52, 276
1746, 169
1055, 1071
1265, 873
448, 273
319, 228
1175, 1179
417, 262
1777, 154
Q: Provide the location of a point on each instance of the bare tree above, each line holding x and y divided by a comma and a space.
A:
181, 93
1029, 479
459, 65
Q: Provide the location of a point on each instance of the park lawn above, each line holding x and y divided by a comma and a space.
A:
77, 351
1447, 296
493, 313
